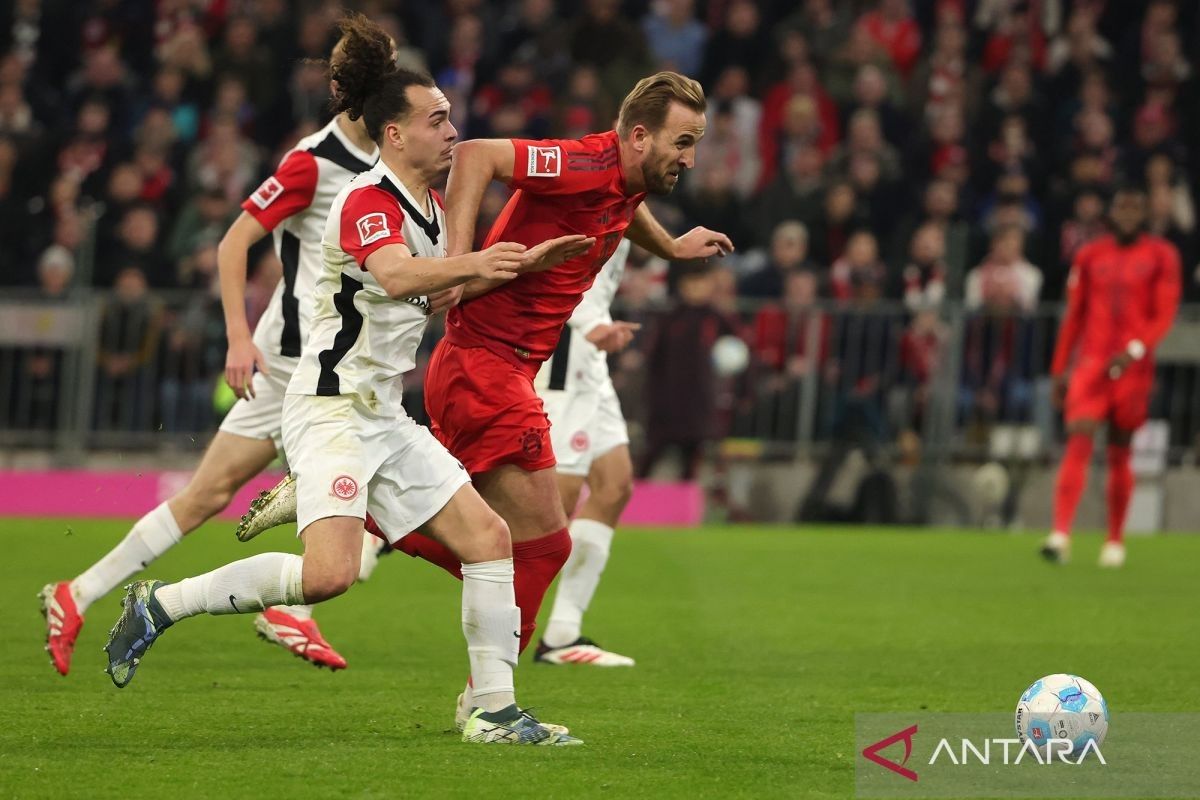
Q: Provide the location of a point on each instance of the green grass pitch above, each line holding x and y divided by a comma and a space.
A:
755, 647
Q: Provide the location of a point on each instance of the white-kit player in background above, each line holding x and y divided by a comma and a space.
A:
292, 204
591, 443
352, 446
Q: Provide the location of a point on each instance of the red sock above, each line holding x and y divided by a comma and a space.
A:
372, 527
1120, 489
419, 545
536, 563
1072, 477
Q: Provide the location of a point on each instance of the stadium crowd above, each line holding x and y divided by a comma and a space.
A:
890, 154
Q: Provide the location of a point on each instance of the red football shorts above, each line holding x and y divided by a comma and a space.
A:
483, 409
1093, 395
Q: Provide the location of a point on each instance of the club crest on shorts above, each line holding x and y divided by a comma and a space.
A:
345, 487
531, 443
580, 441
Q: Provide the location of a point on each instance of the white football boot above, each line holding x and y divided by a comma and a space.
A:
1112, 555
1057, 548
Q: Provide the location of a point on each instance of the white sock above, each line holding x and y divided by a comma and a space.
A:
252, 584
492, 624
469, 696
371, 545
299, 612
150, 537
590, 544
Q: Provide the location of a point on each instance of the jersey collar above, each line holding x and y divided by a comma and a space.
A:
361, 155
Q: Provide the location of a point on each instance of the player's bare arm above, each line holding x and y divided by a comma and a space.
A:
403, 275
613, 337
649, 234
476, 164
243, 356
545, 256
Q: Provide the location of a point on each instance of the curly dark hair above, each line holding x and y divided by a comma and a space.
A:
366, 81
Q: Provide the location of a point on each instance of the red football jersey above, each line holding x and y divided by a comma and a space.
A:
1116, 294
563, 187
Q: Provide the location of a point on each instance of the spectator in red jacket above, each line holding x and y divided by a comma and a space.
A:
893, 28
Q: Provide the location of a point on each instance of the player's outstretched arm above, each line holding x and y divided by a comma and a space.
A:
648, 233
242, 356
402, 274
477, 162
545, 256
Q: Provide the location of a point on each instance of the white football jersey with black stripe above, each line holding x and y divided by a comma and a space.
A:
361, 341
578, 365
293, 203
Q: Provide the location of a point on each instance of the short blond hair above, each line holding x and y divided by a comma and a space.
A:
647, 104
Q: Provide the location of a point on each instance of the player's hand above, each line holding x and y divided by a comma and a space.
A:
240, 362
613, 338
552, 252
1058, 391
445, 299
1119, 363
702, 243
500, 262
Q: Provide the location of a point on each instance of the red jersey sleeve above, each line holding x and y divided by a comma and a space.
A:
370, 219
289, 190
1072, 324
563, 166
1165, 298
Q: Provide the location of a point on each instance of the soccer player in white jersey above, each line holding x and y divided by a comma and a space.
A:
292, 204
353, 448
591, 443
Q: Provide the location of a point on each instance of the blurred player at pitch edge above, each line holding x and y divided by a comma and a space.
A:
353, 447
1122, 296
479, 389
591, 444
293, 203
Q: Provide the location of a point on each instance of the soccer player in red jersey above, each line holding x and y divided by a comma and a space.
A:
479, 389
1121, 299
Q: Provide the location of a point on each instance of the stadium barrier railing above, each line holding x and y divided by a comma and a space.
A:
95, 371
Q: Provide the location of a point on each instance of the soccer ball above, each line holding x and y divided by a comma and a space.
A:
1062, 707
730, 355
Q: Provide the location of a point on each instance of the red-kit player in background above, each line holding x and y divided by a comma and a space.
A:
1121, 299
479, 389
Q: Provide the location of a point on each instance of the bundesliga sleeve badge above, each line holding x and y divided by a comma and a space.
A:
267, 193
372, 227
544, 162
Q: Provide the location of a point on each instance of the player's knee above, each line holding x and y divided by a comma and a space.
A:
613, 495
1082, 427
490, 540
328, 581
1119, 437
